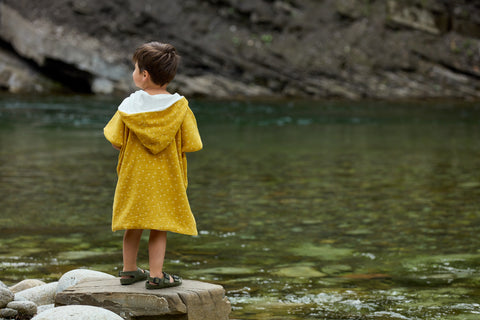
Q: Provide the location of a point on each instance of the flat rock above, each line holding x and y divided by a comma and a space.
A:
194, 300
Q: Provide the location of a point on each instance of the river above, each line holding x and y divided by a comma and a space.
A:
305, 209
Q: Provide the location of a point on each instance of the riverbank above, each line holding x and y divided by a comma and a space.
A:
349, 49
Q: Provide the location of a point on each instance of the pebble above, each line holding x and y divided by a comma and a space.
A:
26, 308
8, 313
77, 312
5, 297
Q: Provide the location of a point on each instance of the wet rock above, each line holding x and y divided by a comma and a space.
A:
26, 284
24, 308
77, 313
73, 277
228, 270
325, 252
5, 297
336, 269
40, 295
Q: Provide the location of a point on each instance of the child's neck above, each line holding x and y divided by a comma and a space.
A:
155, 89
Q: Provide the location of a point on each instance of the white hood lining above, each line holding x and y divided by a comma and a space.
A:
140, 101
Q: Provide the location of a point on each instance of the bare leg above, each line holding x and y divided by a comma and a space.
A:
131, 242
157, 246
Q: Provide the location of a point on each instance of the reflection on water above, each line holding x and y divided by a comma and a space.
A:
306, 210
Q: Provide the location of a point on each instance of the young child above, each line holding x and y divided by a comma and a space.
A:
153, 130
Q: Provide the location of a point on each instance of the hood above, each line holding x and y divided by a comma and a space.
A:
155, 120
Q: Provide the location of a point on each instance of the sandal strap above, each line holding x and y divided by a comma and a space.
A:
165, 279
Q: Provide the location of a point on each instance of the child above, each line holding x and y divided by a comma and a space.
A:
152, 129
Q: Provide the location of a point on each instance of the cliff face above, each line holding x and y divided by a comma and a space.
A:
318, 48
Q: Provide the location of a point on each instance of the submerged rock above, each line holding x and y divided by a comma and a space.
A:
299, 272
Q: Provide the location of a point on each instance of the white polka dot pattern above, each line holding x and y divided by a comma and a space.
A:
152, 168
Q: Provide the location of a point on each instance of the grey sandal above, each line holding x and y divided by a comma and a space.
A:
133, 276
159, 283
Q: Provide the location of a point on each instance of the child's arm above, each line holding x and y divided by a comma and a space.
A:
114, 131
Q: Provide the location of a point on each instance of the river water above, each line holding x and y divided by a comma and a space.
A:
305, 210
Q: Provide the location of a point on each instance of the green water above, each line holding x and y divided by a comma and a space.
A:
306, 210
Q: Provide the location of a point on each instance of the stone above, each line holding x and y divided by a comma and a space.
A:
299, 272
45, 307
8, 313
26, 284
73, 277
411, 17
5, 297
39, 295
25, 308
77, 313
3, 285
194, 300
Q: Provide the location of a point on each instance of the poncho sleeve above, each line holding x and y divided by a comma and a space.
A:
114, 130
191, 140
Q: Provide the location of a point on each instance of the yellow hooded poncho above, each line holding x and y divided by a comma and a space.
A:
153, 134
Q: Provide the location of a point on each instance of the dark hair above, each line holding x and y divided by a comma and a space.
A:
159, 59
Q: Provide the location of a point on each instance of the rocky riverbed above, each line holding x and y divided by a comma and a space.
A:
303, 48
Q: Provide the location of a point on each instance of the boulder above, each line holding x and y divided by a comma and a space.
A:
40, 295
194, 300
73, 277
5, 297
77, 313
26, 284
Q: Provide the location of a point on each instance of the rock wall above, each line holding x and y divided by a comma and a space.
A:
353, 49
